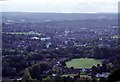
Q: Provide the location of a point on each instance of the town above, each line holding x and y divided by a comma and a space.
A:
34, 51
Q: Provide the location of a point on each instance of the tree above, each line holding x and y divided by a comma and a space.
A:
57, 79
56, 69
37, 70
114, 76
26, 75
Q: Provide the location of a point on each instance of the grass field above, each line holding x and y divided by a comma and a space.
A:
83, 63
72, 75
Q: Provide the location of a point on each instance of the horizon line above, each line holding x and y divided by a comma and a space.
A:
57, 12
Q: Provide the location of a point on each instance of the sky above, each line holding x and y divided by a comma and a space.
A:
59, 6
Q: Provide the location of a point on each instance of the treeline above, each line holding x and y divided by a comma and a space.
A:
15, 61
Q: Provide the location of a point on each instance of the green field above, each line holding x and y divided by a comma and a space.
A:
83, 63
72, 75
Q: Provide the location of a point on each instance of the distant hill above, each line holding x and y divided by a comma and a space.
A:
43, 17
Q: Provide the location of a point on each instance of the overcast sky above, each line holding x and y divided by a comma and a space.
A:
65, 6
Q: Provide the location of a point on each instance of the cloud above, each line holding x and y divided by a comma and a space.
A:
60, 5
